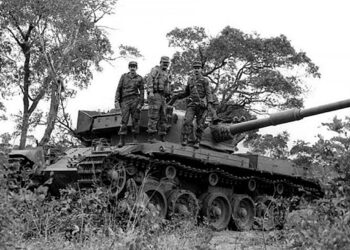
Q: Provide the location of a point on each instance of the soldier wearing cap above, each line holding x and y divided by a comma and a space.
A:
199, 100
158, 88
130, 98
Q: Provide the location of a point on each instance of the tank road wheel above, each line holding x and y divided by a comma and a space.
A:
170, 172
213, 179
279, 188
266, 212
114, 175
156, 198
183, 203
252, 185
217, 209
243, 212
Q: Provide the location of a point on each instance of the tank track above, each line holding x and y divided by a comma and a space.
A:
93, 168
90, 169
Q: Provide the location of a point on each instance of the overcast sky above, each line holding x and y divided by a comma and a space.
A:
319, 28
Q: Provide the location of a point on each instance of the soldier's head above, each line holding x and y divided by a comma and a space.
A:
164, 62
197, 67
132, 66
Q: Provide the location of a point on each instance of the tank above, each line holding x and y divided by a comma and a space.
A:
212, 181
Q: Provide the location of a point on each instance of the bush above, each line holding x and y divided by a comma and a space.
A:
322, 224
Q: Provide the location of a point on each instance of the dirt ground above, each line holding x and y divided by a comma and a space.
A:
230, 240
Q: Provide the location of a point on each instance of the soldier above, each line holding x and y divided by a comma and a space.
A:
158, 88
130, 97
199, 101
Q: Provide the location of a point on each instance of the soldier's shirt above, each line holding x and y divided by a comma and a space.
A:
158, 81
197, 89
130, 85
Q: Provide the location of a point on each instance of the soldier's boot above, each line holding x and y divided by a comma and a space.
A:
196, 143
152, 138
121, 141
184, 140
134, 138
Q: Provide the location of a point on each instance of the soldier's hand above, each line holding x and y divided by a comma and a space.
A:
117, 105
139, 106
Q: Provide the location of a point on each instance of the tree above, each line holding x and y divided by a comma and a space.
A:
269, 145
5, 137
328, 158
54, 45
6, 76
245, 70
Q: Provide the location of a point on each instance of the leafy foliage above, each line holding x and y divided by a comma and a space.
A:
269, 145
325, 224
245, 70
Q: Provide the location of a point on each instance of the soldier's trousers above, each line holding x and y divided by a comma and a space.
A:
200, 113
129, 107
157, 114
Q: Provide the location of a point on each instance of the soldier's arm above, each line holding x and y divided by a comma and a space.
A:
150, 81
118, 93
186, 92
142, 91
207, 90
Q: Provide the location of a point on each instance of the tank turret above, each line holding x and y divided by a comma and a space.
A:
224, 132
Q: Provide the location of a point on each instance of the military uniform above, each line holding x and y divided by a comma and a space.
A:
130, 95
158, 83
199, 97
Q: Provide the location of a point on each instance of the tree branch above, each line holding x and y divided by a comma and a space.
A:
222, 64
14, 37
17, 26
40, 94
65, 123
234, 86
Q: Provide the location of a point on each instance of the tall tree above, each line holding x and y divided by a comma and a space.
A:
55, 44
245, 70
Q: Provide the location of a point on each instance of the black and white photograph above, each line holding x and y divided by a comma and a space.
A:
173, 124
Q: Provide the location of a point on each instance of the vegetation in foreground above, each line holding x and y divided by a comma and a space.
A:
90, 220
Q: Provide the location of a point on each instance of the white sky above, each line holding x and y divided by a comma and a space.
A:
319, 28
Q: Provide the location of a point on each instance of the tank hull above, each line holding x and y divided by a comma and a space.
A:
211, 180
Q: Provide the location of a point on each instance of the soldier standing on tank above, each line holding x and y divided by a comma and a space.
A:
158, 88
130, 97
200, 100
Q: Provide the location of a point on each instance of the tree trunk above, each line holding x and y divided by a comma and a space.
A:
24, 130
26, 83
51, 119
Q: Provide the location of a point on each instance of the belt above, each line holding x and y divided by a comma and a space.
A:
131, 96
159, 92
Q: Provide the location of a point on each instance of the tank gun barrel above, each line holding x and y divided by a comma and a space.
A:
224, 132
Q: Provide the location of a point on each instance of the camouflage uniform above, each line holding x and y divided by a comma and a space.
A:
130, 95
199, 96
158, 83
